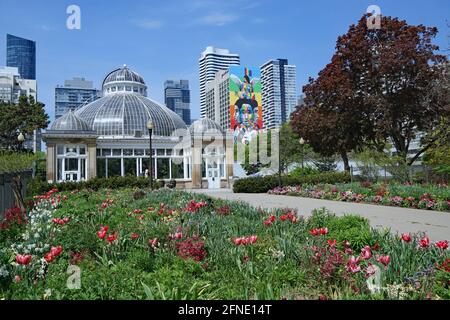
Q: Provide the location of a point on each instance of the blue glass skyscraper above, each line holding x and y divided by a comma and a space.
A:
21, 53
177, 98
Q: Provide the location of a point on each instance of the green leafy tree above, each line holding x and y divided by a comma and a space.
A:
24, 117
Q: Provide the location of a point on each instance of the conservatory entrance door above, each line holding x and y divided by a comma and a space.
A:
213, 174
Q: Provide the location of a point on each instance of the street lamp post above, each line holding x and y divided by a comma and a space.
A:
21, 139
302, 144
150, 129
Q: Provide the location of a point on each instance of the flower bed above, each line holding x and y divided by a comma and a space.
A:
175, 245
433, 197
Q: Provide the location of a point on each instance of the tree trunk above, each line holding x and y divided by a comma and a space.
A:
345, 160
17, 190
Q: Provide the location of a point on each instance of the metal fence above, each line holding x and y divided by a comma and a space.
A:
7, 199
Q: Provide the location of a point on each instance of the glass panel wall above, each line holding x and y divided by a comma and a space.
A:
114, 167
162, 168
128, 161
130, 166
101, 167
177, 168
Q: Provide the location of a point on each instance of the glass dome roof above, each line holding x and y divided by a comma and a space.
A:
205, 125
70, 122
126, 115
123, 74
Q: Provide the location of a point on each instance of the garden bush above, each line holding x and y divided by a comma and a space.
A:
264, 184
39, 186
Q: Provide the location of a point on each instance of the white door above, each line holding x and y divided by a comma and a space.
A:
213, 175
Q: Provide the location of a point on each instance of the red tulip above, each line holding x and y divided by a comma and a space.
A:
332, 243
366, 253
237, 241
376, 247
23, 259
384, 260
267, 222
112, 237
314, 232
406, 237
283, 217
137, 211
323, 231
49, 257
425, 242
272, 218
134, 236
102, 233
442, 244
56, 251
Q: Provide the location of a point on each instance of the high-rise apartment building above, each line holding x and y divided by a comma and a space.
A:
12, 86
217, 99
21, 53
177, 98
211, 61
73, 94
279, 99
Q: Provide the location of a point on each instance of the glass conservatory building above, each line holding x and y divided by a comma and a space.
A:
109, 137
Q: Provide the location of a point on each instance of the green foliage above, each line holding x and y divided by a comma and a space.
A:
325, 164
15, 161
299, 172
23, 117
264, 184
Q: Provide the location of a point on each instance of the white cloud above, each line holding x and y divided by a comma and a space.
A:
217, 19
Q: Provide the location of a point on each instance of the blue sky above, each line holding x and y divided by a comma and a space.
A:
163, 39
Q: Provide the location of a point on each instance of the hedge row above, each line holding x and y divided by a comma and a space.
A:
37, 186
264, 184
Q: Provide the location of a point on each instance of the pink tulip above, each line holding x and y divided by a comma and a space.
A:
366, 253
384, 260
237, 241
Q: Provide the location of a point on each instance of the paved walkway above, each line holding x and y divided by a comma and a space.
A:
436, 224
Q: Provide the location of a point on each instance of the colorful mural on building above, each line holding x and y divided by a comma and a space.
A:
245, 102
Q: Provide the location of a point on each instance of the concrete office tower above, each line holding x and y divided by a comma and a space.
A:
279, 99
211, 61
12, 86
217, 99
177, 98
73, 94
21, 53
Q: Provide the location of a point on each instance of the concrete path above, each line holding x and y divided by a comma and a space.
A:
436, 224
